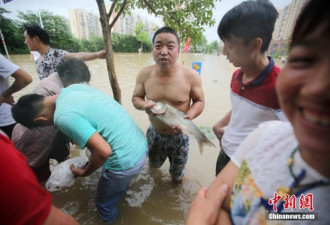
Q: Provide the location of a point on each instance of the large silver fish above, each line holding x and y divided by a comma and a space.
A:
174, 117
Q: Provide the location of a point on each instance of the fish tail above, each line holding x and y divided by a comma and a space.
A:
204, 141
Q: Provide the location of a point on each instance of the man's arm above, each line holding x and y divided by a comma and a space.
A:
22, 79
218, 127
139, 94
86, 56
226, 176
197, 97
230, 171
100, 150
211, 206
56, 216
207, 210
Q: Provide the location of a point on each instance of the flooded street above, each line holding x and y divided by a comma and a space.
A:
152, 197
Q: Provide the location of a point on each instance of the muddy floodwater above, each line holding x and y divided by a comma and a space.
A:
152, 197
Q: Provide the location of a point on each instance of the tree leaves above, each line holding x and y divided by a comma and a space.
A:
187, 17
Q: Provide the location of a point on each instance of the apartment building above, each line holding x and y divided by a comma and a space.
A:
284, 26
83, 23
126, 24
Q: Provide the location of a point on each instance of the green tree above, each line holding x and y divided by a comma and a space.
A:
76, 46
185, 16
124, 42
89, 45
12, 33
98, 41
141, 34
56, 27
213, 47
200, 44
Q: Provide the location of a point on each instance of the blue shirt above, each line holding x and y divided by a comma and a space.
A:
81, 111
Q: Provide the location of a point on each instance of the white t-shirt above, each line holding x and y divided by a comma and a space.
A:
252, 103
6, 70
36, 55
263, 162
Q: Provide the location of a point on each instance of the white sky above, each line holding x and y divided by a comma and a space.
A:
61, 7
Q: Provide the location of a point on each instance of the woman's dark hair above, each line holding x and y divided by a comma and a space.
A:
315, 15
73, 71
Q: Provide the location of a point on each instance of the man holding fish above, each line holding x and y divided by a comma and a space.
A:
176, 85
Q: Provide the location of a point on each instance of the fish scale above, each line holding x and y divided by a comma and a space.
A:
171, 116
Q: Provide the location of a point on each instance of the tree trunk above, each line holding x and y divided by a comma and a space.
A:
106, 30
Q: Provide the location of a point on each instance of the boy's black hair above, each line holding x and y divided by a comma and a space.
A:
35, 30
166, 30
27, 109
249, 20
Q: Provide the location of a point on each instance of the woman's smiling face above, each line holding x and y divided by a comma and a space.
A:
303, 87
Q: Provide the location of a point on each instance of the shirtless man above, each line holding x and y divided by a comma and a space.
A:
179, 86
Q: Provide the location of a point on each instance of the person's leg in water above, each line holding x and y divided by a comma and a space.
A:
157, 148
178, 156
111, 188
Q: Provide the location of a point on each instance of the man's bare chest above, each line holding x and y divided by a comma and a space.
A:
174, 90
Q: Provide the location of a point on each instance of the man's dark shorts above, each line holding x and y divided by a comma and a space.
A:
175, 147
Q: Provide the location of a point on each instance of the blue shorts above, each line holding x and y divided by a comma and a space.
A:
175, 147
111, 188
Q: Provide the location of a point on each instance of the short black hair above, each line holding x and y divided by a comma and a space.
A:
249, 20
73, 71
35, 30
27, 109
166, 30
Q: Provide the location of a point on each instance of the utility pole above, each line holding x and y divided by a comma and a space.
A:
42, 26
4, 43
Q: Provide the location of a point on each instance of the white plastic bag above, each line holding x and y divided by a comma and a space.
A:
62, 176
